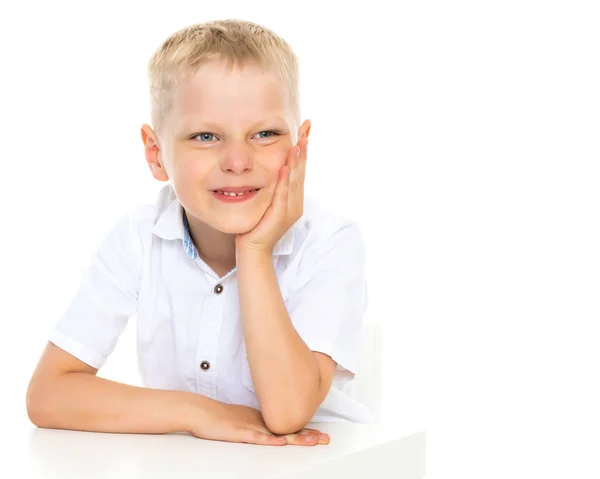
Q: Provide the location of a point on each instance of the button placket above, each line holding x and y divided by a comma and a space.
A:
210, 326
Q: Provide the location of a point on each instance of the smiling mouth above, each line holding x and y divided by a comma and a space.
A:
241, 197
234, 195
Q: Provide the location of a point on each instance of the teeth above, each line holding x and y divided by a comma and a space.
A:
233, 194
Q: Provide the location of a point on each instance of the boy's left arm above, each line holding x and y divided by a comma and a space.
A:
290, 380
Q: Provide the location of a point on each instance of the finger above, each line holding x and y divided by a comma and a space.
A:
281, 193
293, 163
292, 189
309, 431
298, 439
296, 189
302, 163
322, 437
278, 206
298, 172
252, 436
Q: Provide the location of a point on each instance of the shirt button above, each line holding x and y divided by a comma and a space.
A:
218, 289
205, 365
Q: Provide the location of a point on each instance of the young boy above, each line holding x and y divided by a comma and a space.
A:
249, 296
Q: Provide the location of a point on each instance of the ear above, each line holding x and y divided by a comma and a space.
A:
152, 153
304, 129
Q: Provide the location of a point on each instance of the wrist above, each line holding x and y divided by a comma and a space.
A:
253, 257
193, 410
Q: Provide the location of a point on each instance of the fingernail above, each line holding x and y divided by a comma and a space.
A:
323, 436
297, 151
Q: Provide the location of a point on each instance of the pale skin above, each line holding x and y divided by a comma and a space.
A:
231, 109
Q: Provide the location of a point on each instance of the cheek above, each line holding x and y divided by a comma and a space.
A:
273, 172
274, 163
190, 168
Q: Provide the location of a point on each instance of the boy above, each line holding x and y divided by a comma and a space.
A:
249, 297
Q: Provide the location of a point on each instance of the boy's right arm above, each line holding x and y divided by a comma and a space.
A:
65, 393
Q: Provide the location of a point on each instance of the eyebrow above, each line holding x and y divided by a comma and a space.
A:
202, 124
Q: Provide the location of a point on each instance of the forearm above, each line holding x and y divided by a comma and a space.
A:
85, 402
285, 372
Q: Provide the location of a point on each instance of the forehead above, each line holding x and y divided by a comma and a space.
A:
230, 96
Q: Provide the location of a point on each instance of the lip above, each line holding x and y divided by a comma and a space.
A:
235, 199
237, 189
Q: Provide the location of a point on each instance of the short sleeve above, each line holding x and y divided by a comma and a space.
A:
90, 326
328, 301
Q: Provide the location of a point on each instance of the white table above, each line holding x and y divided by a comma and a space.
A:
384, 450
354, 450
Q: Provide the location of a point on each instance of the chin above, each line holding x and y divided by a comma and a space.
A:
235, 227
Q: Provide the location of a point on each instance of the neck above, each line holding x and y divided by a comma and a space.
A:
214, 246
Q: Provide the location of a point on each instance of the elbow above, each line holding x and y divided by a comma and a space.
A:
285, 421
286, 426
34, 412
287, 416
36, 417
37, 407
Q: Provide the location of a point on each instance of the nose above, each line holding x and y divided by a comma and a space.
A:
237, 160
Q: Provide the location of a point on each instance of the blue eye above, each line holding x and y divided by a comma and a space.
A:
203, 134
269, 131
206, 134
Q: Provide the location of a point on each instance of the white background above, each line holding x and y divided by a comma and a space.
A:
462, 136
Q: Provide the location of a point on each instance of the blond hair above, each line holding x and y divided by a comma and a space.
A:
233, 41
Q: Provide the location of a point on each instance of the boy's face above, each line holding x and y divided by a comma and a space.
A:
227, 128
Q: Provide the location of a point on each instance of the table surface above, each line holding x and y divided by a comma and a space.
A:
64, 454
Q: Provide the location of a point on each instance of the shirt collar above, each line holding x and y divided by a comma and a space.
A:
172, 224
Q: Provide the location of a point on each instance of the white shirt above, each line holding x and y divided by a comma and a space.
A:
189, 329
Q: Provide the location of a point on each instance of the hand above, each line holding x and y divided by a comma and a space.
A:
286, 207
235, 423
